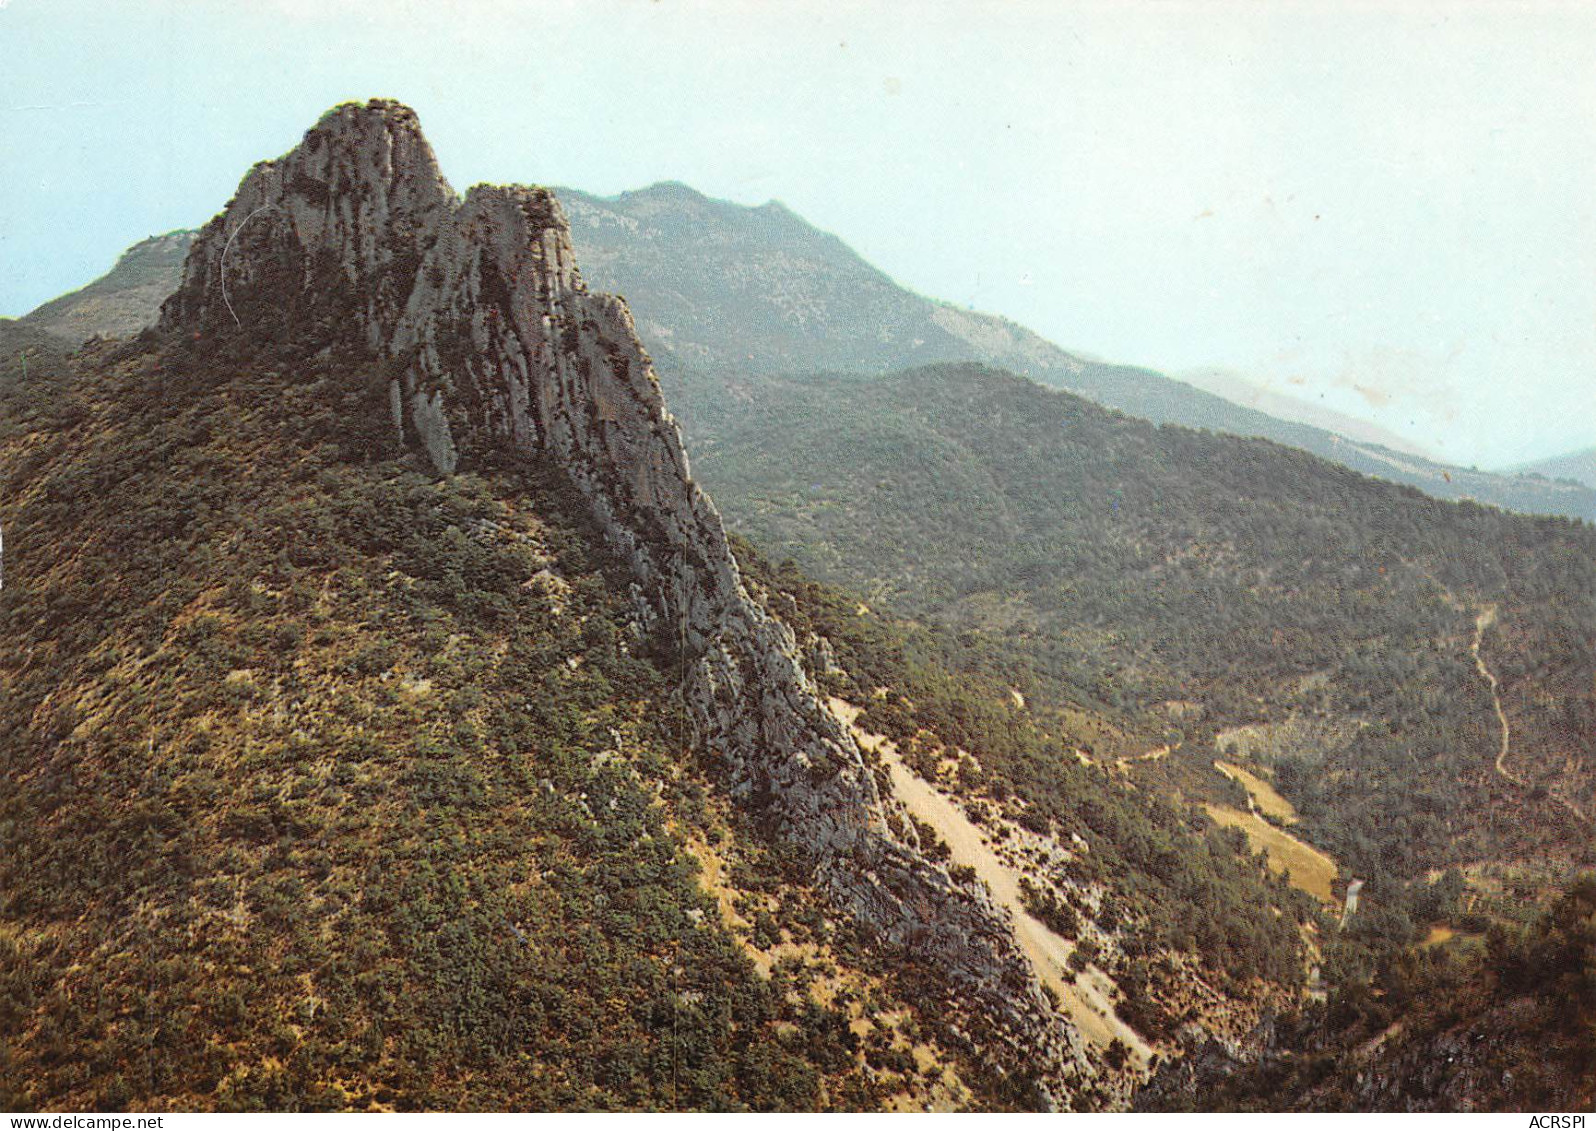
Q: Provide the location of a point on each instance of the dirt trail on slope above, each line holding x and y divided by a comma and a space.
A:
1151, 756
1089, 998
1484, 620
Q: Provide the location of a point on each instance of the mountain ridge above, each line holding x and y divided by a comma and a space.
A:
1244, 390
493, 348
686, 323
779, 308
1578, 466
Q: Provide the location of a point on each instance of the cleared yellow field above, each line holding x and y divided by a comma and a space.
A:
1310, 870
1263, 795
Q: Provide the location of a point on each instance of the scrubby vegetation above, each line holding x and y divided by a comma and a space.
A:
1510, 1026
1184, 885
1087, 587
332, 785
335, 785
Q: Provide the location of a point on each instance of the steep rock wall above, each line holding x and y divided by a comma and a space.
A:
493, 346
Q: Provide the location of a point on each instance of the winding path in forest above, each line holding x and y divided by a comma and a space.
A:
1484, 620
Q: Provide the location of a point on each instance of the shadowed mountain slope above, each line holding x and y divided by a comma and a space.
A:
730, 288
734, 289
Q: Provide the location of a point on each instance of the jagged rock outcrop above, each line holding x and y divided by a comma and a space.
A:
492, 347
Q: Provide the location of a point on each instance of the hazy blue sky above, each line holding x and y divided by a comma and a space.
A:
1386, 208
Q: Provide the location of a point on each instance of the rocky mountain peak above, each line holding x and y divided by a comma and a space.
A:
493, 349
361, 195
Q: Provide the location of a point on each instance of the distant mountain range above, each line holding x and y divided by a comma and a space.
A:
1578, 466
1247, 392
720, 286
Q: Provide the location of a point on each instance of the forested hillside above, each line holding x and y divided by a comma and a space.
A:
339, 785
331, 784
1509, 1026
1181, 885
1256, 600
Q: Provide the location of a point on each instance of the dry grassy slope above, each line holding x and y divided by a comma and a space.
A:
330, 785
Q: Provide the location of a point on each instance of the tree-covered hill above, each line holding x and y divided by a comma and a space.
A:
334, 784
1508, 1027
331, 784
1258, 599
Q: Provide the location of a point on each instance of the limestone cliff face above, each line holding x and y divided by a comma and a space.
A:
494, 348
